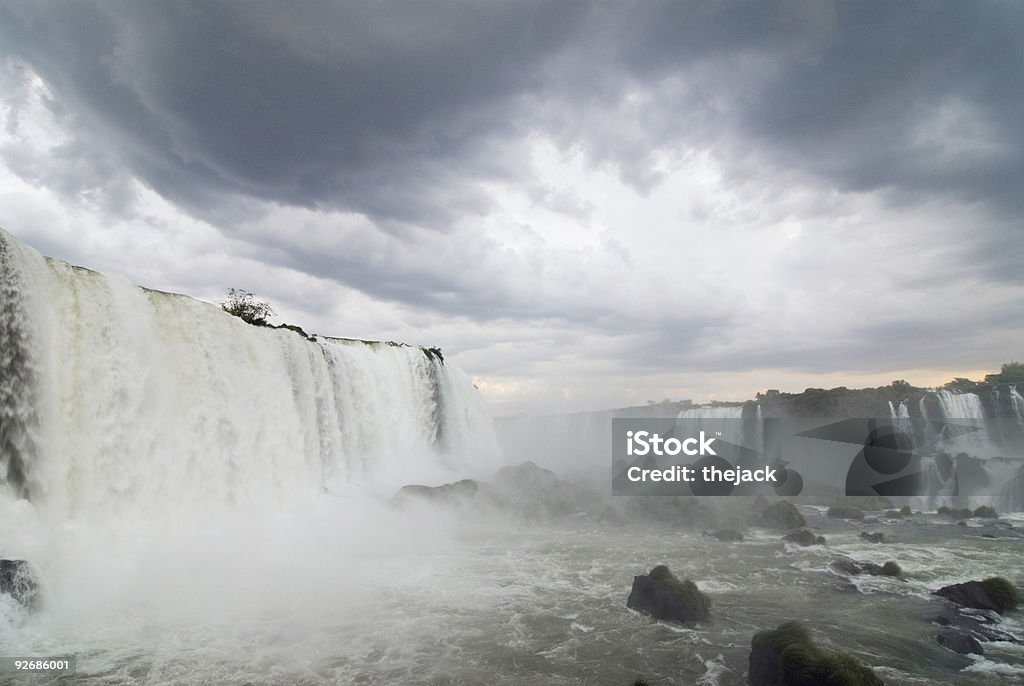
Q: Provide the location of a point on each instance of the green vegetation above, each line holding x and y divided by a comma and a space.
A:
961, 385
873, 402
799, 662
246, 307
1011, 372
687, 591
1002, 593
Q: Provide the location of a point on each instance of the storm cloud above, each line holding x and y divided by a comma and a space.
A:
669, 189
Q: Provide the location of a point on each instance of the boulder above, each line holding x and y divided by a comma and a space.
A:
804, 537
786, 656
872, 537
453, 494
783, 515
849, 567
890, 568
985, 512
994, 593
845, 512
724, 535
533, 493
959, 642
985, 625
19, 581
663, 596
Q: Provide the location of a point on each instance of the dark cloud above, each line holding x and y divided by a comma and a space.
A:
398, 110
361, 144
394, 112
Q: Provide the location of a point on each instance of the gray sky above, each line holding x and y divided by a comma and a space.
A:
585, 204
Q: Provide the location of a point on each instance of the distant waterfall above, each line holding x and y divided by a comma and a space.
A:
899, 411
1017, 402
961, 405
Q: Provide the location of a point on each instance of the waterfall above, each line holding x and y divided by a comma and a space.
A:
960, 405
120, 400
1017, 402
900, 411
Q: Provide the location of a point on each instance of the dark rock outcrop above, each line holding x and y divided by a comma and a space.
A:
534, 493
994, 593
959, 642
804, 537
786, 656
782, 515
449, 495
19, 581
872, 537
845, 512
845, 565
984, 625
663, 596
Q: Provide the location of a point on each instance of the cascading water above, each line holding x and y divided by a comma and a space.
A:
162, 459
900, 411
116, 397
709, 419
961, 405
1017, 402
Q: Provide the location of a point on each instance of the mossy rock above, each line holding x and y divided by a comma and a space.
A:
986, 512
891, 568
786, 656
783, 515
845, 512
894, 514
905, 511
662, 595
1002, 593
994, 593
